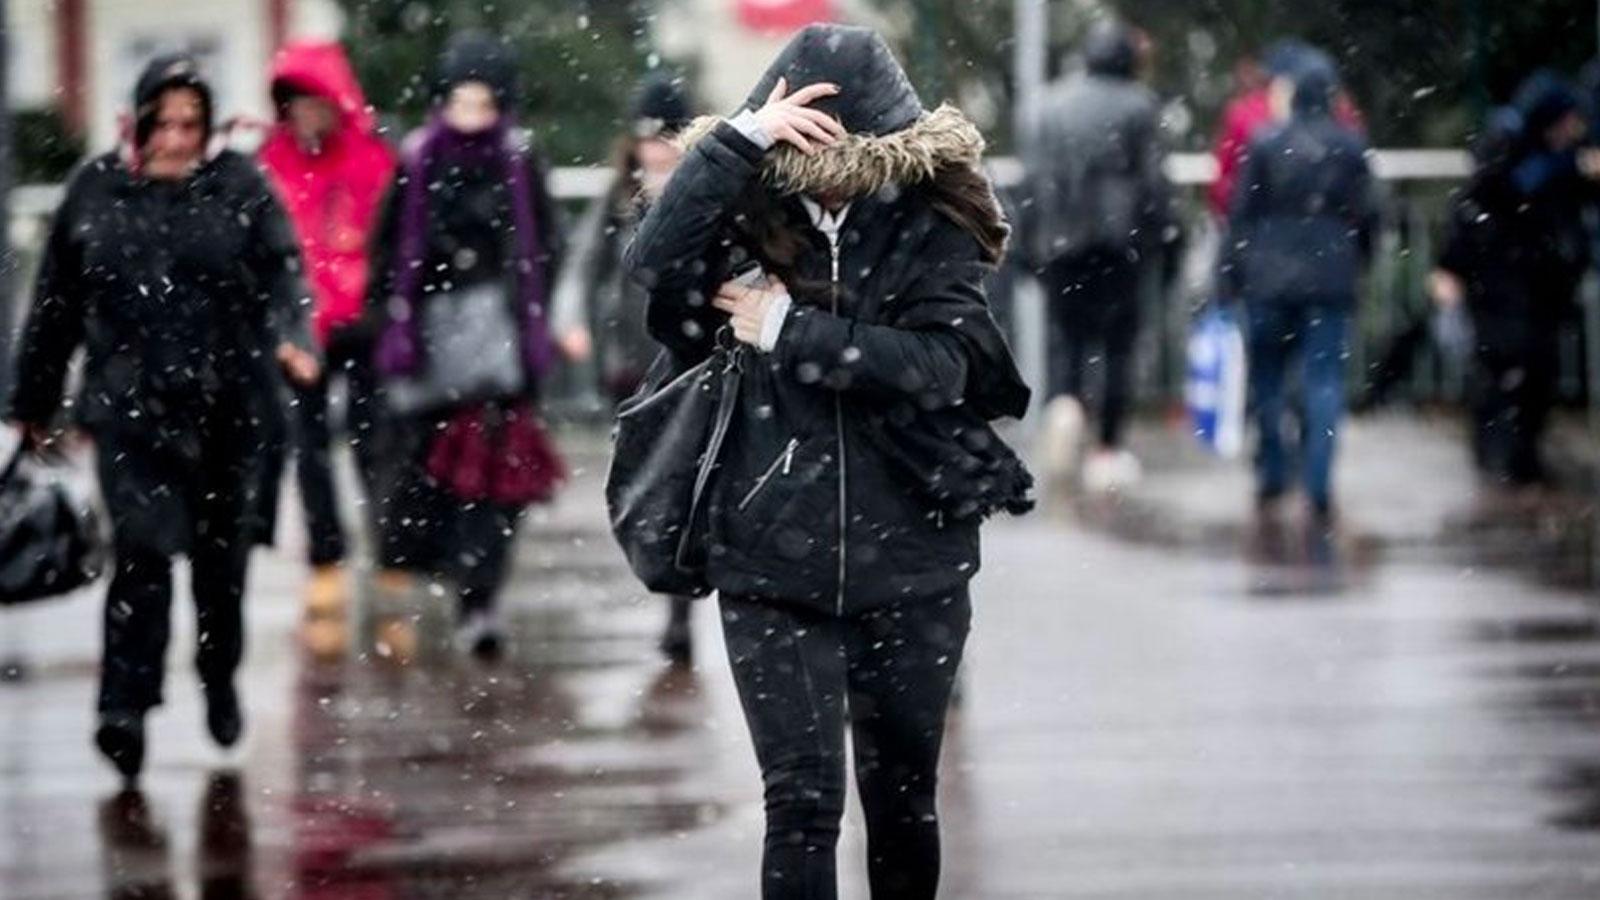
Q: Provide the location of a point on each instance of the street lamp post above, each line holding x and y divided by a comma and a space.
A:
8, 259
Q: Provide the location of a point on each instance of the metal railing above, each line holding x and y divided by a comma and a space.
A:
1416, 183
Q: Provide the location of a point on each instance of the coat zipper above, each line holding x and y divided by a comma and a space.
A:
838, 421
785, 461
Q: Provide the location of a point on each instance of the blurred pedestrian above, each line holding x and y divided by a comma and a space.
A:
1250, 110
331, 171
1515, 253
604, 301
468, 245
1301, 230
1099, 209
178, 273
842, 524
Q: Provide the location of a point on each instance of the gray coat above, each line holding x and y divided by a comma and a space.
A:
1092, 156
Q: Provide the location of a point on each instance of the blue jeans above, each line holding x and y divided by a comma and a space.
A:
1314, 337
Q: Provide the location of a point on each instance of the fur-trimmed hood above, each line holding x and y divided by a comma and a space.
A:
863, 164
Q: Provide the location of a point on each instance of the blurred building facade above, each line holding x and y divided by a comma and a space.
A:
81, 56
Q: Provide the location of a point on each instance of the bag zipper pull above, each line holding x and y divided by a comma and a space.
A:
788, 455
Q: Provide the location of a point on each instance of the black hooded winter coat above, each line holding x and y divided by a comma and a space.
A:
859, 463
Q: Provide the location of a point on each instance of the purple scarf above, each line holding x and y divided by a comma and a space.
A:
399, 350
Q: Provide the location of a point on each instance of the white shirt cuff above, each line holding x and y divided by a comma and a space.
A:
772, 325
747, 125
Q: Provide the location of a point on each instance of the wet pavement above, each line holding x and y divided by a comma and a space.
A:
1161, 699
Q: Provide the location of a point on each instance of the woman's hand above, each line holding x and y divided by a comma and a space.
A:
576, 344
1446, 289
790, 118
301, 367
748, 307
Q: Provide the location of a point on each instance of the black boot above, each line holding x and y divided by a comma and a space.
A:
677, 642
223, 717
120, 738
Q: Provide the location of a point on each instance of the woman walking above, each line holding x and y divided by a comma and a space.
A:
843, 523
178, 273
468, 238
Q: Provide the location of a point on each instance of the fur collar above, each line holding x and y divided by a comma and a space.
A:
861, 164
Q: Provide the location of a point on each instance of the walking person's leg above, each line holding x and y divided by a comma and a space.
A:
1324, 343
138, 625
1114, 293
220, 566
486, 539
314, 471
1064, 418
1271, 342
903, 662
789, 669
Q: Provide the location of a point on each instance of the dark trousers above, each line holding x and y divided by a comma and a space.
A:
889, 673
349, 356
1092, 300
485, 536
1314, 337
138, 620
1513, 387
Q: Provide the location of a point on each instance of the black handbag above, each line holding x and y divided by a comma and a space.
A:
665, 451
50, 537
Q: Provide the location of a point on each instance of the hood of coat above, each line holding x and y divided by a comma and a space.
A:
177, 70
479, 56
1110, 50
863, 164
322, 69
875, 98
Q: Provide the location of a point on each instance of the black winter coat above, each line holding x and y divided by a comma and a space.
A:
1303, 216
810, 504
180, 294
1521, 252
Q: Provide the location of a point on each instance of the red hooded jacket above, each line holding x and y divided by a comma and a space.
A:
333, 194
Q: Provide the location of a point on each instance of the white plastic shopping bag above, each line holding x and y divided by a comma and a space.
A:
1215, 389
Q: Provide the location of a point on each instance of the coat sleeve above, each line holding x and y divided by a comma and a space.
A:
275, 264
55, 324
674, 253
1249, 201
552, 233
940, 348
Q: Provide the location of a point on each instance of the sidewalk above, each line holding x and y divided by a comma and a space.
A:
1139, 719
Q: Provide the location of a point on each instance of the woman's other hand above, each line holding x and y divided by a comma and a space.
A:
748, 307
301, 367
789, 117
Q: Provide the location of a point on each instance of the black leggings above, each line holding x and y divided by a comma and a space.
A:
1093, 304
800, 676
484, 540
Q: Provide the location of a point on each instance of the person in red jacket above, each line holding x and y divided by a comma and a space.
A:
1250, 110
331, 169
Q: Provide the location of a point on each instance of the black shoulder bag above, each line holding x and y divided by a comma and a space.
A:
665, 451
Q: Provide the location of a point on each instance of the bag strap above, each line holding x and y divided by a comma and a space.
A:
732, 371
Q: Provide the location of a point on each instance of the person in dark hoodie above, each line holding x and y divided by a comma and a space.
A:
331, 169
842, 524
178, 273
468, 215
1098, 208
603, 310
1301, 230
1514, 255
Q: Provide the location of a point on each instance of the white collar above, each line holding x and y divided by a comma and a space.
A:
825, 222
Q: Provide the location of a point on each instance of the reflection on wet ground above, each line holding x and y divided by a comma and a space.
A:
1148, 710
